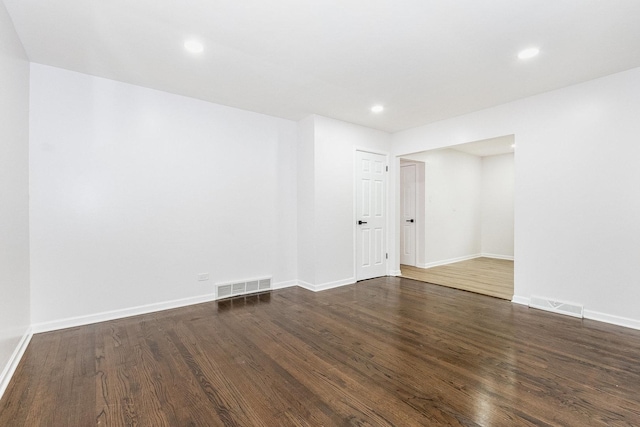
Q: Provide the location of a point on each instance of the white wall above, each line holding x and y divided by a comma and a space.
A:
306, 203
285, 257
334, 145
577, 204
452, 186
14, 196
135, 191
496, 202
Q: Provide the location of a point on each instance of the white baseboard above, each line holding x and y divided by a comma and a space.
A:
464, 258
326, 286
614, 320
592, 315
394, 273
282, 285
306, 285
448, 261
72, 322
497, 256
336, 284
14, 360
520, 300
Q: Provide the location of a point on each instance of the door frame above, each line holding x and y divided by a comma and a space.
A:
387, 206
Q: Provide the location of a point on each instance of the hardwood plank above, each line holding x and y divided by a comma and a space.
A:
19, 402
486, 276
388, 351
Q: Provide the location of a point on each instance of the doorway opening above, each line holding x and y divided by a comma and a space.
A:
463, 237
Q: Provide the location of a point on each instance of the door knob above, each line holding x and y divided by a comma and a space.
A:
362, 222
410, 220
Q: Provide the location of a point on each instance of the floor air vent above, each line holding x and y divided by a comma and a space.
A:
226, 290
569, 309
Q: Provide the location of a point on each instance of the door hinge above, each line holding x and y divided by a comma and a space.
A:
386, 256
387, 167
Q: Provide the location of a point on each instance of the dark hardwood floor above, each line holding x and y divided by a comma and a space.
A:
383, 352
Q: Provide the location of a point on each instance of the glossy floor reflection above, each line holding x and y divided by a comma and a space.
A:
383, 352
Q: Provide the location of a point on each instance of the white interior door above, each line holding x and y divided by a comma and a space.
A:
408, 215
371, 179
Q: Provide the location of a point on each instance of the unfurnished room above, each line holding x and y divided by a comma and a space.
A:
319, 213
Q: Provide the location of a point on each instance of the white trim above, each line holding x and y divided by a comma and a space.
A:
119, 314
306, 285
592, 315
448, 261
464, 258
395, 273
372, 151
326, 286
354, 212
496, 256
14, 360
72, 322
404, 162
610, 318
282, 285
336, 284
517, 299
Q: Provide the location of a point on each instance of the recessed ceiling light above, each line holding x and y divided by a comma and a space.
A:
193, 46
528, 53
377, 108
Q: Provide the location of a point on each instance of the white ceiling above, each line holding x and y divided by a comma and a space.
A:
425, 60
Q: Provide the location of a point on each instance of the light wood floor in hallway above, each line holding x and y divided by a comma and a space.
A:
486, 276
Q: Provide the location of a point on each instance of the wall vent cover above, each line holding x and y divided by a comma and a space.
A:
570, 309
265, 284
223, 291
253, 286
226, 290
